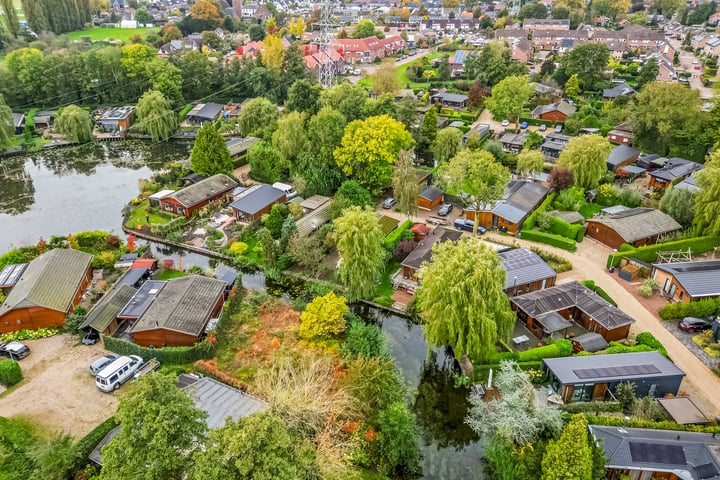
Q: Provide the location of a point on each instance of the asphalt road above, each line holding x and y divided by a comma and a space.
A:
686, 64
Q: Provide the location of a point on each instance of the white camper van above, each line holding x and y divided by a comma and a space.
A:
286, 189
118, 372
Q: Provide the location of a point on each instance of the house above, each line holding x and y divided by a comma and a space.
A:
423, 251
44, 119
182, 45
689, 184
555, 112
521, 50
331, 57
50, 288
457, 63
664, 454
251, 12
712, 47
256, 201
508, 214
525, 271
179, 312
366, 50
450, 100
674, 168
316, 211
478, 131
204, 112
103, 316
546, 23
621, 156
187, 201
634, 226
666, 72
513, 142
116, 120
430, 197
622, 134
543, 311
240, 146
688, 281
19, 123
619, 90
553, 145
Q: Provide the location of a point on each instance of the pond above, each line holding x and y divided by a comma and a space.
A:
62, 191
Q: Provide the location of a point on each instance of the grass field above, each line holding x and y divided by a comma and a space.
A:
100, 34
402, 73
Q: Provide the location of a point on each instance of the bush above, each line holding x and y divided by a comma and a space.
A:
549, 239
26, 334
238, 248
591, 285
647, 288
561, 348
625, 393
363, 340
648, 253
166, 355
556, 262
530, 222
647, 338
701, 308
89, 442
394, 237
10, 372
594, 406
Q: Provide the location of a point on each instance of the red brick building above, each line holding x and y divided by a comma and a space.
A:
189, 200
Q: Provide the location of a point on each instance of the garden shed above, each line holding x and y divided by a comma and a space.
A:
635, 226
430, 197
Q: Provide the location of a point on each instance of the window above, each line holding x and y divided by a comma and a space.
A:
168, 206
180, 211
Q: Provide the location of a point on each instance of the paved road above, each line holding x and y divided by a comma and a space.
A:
686, 64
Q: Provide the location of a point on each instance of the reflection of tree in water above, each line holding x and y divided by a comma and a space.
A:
440, 407
72, 160
17, 191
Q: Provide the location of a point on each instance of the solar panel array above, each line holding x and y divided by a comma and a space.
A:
619, 371
707, 470
11, 274
661, 453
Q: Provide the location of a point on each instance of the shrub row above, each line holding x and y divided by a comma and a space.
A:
531, 220
637, 423
537, 121
564, 229
25, 334
560, 348
166, 355
701, 308
588, 407
549, 239
392, 238
616, 347
480, 371
556, 262
10, 372
648, 253
591, 285
89, 442
647, 338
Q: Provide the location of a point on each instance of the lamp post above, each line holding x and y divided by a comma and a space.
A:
612, 261
514, 286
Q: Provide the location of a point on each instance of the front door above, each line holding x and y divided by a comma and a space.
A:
667, 285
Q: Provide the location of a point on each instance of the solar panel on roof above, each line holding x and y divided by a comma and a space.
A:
620, 371
10, 275
707, 470
657, 453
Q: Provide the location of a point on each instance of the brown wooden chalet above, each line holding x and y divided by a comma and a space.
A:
554, 309
192, 198
635, 226
423, 251
525, 271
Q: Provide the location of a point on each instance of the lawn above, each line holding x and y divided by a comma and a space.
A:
385, 289
167, 274
138, 216
590, 209
402, 74
100, 34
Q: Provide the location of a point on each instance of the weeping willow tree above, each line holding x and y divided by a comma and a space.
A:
462, 300
707, 200
155, 115
362, 254
7, 125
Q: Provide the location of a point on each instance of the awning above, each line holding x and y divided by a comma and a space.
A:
553, 321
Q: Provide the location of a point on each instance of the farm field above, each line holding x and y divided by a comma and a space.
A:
99, 33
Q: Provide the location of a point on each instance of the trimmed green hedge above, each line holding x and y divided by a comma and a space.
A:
10, 372
537, 121
560, 348
531, 220
89, 442
591, 285
549, 239
648, 253
637, 423
392, 238
480, 372
648, 339
564, 229
166, 355
701, 308
594, 406
616, 347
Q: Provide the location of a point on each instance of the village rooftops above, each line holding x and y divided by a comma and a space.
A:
117, 113
141, 300
674, 168
206, 111
202, 190
698, 279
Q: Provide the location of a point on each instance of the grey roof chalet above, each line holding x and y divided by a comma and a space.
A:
620, 90
570, 216
183, 305
569, 295
637, 223
591, 342
687, 455
621, 154
49, 281
240, 146
430, 193
256, 198
674, 168
107, 309
423, 251
689, 183
313, 220
450, 97
520, 200
523, 266
206, 111
221, 401
562, 107
514, 139
698, 279
203, 190
624, 367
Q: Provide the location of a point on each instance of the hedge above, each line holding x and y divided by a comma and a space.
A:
648, 253
537, 121
531, 220
564, 229
560, 348
10, 372
591, 285
648, 339
480, 371
616, 347
89, 442
392, 238
166, 355
588, 407
702, 308
637, 423
549, 239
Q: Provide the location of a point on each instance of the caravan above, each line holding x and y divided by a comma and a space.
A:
118, 372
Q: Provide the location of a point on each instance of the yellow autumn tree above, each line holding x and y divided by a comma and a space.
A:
207, 10
324, 317
297, 27
274, 53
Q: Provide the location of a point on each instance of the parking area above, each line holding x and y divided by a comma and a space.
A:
58, 392
687, 340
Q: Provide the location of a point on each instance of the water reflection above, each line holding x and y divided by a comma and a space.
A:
17, 191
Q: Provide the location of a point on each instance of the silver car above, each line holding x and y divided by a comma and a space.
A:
102, 362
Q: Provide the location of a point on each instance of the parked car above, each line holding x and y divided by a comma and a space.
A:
389, 202
543, 127
505, 123
102, 362
695, 62
695, 324
118, 372
523, 125
697, 67
467, 225
445, 209
558, 128
91, 338
14, 350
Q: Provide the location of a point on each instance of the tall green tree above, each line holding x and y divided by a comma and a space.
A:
317, 165
588, 62
362, 254
508, 98
707, 200
475, 175
258, 118
585, 157
155, 115
348, 98
492, 64
210, 154
428, 129
679, 203
35, 15
405, 184
386, 80
142, 16
570, 456
369, 148
447, 143
290, 139
265, 162
529, 161
10, 16
364, 29
7, 125
75, 124
303, 96
159, 428
648, 72
166, 78
462, 299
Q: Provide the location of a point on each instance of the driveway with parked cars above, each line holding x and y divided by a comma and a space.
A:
58, 392
686, 338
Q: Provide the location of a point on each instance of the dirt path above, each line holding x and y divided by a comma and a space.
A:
58, 393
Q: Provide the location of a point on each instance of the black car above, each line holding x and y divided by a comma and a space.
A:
14, 350
445, 209
695, 324
467, 225
91, 338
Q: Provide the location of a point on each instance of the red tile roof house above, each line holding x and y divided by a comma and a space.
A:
366, 50
189, 200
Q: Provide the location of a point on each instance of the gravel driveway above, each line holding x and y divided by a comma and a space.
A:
58, 392
686, 339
